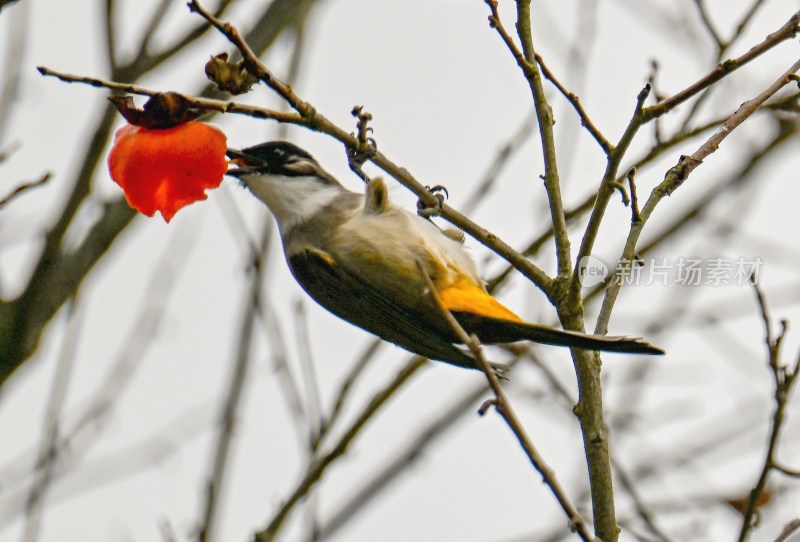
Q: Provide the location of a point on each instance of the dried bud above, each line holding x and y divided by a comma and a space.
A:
162, 111
229, 76
740, 503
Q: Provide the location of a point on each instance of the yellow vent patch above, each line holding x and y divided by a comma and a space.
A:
465, 296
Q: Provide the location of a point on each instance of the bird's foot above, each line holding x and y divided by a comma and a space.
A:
427, 211
365, 149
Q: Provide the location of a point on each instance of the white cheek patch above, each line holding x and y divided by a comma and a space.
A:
292, 199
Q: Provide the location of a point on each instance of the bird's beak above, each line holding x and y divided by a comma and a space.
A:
246, 163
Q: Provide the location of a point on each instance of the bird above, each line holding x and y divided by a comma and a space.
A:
362, 258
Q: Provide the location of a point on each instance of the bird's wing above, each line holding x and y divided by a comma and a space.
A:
366, 306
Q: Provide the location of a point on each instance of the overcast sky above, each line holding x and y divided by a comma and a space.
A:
446, 96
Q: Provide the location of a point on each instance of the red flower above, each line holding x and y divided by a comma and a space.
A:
167, 169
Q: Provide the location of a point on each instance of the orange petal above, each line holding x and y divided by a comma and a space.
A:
165, 170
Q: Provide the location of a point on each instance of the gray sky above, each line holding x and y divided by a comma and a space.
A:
445, 96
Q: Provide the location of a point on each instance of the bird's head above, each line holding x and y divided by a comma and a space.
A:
286, 178
276, 158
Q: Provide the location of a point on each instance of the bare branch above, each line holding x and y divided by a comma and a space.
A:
785, 32
228, 415
12, 62
314, 120
790, 528
701, 8
526, 60
315, 420
500, 161
356, 370
573, 99
673, 180
503, 407
206, 104
606, 190
784, 379
320, 465
686, 165
49, 447
24, 187
111, 43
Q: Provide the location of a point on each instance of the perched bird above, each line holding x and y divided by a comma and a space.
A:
362, 258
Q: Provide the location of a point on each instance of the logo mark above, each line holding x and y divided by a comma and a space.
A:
593, 271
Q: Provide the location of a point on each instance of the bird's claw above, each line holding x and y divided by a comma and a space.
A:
427, 211
358, 156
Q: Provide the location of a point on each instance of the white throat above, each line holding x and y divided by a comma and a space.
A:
292, 200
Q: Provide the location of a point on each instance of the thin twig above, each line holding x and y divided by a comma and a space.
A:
315, 419
577, 212
501, 159
605, 192
526, 60
784, 379
207, 104
233, 397
10, 80
24, 187
722, 48
573, 99
686, 165
152, 26
320, 465
253, 63
444, 421
673, 180
503, 407
748, 17
314, 120
111, 35
48, 450
635, 217
790, 528
704, 17
342, 396
785, 32
630, 485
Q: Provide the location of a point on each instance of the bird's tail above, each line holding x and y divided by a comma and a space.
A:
497, 331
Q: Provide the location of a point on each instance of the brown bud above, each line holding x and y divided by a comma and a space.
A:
740, 503
231, 77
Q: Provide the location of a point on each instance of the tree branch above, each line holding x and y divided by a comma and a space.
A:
785, 32
784, 379
672, 181
314, 120
503, 407
544, 114
321, 464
